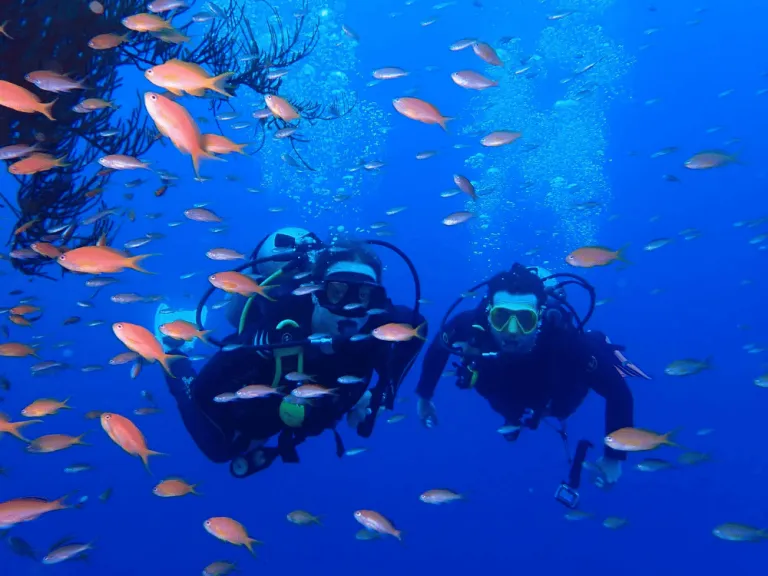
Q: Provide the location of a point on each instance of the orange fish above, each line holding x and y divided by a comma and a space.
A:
16, 350
302, 518
179, 77
22, 309
281, 108
394, 332
125, 434
44, 407
637, 440
487, 53
45, 249
173, 121
36, 163
54, 443
107, 41
377, 523
591, 256
421, 111
22, 100
231, 531
183, 330
202, 215
24, 227
710, 159
146, 23
463, 183
472, 80
220, 568
100, 260
500, 138
123, 358
19, 510
440, 496
237, 283
19, 320
143, 342
216, 144
146, 411
173, 487
257, 391
12, 428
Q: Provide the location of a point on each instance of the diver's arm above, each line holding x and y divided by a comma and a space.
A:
437, 354
608, 383
207, 435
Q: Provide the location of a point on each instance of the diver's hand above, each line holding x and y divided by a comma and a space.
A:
359, 411
610, 472
427, 412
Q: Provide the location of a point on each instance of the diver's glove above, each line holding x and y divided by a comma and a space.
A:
610, 472
359, 411
427, 412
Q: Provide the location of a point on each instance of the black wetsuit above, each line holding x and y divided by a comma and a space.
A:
224, 431
551, 380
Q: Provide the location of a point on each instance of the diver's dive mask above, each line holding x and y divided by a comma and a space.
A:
514, 320
350, 294
514, 317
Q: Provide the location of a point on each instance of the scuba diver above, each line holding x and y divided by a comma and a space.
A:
524, 349
314, 328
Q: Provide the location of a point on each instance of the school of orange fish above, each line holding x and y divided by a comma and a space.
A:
174, 122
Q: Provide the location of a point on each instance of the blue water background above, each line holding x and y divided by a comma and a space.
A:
509, 522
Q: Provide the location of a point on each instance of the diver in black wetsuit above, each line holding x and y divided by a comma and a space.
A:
523, 352
328, 300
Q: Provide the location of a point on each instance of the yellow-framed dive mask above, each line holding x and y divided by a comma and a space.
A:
514, 317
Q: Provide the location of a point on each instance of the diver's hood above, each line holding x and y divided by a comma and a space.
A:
163, 315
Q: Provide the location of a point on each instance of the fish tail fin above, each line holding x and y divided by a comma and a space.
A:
240, 148
265, 289
192, 490
202, 336
145, 457
218, 84
61, 503
16, 425
316, 520
671, 434
249, 542
419, 329
444, 122
201, 153
709, 363
133, 263
399, 535
64, 405
60, 163
79, 440
620, 254
47, 109
165, 362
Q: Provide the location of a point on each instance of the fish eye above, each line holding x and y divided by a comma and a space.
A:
207, 522
119, 326
212, 277
150, 71
153, 97
107, 416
